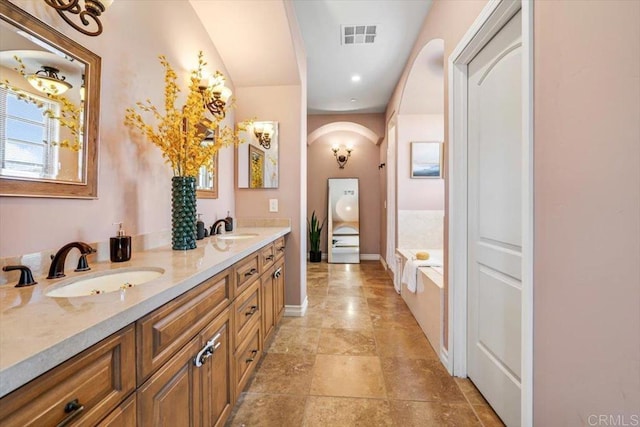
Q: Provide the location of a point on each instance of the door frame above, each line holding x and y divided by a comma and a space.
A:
492, 18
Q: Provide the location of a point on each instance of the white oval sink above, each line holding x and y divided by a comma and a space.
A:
103, 282
236, 236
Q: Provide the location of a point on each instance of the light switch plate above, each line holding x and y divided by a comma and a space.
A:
273, 205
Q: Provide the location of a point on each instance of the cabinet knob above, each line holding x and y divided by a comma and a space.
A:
73, 409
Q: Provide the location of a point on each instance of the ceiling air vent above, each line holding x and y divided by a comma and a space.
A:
358, 34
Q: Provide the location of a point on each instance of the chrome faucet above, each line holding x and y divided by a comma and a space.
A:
215, 228
57, 261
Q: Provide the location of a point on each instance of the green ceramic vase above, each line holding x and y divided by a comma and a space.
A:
183, 212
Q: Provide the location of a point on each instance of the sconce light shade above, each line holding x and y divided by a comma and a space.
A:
341, 158
215, 94
92, 10
263, 132
46, 80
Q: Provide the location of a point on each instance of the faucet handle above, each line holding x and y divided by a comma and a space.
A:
83, 265
26, 277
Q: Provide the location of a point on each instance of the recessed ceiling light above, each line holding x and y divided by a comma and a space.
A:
355, 78
353, 100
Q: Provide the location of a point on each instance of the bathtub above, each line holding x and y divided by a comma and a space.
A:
427, 303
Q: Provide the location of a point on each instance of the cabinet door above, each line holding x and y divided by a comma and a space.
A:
278, 289
215, 370
268, 304
123, 416
171, 397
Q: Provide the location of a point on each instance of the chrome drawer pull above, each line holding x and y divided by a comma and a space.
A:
277, 273
252, 357
207, 351
73, 408
253, 309
250, 272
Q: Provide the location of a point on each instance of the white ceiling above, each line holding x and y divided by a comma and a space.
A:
254, 40
331, 64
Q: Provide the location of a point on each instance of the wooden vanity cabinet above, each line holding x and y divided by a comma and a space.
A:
81, 391
190, 358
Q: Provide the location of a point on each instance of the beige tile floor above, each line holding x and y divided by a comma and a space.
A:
357, 358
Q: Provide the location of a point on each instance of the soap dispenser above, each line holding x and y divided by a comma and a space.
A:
228, 225
120, 246
200, 230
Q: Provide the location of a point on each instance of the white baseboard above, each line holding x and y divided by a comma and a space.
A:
296, 310
444, 358
384, 263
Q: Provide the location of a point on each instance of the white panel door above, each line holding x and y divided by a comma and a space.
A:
495, 230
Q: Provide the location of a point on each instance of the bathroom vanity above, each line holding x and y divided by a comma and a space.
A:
177, 350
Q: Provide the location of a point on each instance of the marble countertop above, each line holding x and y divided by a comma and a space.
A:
38, 332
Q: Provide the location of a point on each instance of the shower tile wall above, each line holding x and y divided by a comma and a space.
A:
420, 229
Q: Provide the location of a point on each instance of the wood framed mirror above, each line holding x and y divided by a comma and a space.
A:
49, 144
257, 160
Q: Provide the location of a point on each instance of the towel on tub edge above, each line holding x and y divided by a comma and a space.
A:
410, 271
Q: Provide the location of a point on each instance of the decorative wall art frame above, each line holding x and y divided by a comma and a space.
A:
426, 159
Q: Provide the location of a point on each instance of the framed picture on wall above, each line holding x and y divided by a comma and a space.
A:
426, 159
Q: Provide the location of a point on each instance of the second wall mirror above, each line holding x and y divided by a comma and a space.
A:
257, 158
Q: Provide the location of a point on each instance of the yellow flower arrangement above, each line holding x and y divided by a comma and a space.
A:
70, 115
180, 132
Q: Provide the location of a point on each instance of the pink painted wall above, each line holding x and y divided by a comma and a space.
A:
281, 104
447, 20
417, 194
134, 181
587, 211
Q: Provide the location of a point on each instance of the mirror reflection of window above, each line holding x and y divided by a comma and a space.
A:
25, 135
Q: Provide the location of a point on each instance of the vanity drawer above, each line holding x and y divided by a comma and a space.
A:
163, 332
247, 357
279, 247
267, 257
82, 390
248, 309
247, 271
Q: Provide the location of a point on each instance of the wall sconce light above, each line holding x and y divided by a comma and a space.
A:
46, 80
263, 132
92, 10
341, 158
215, 94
